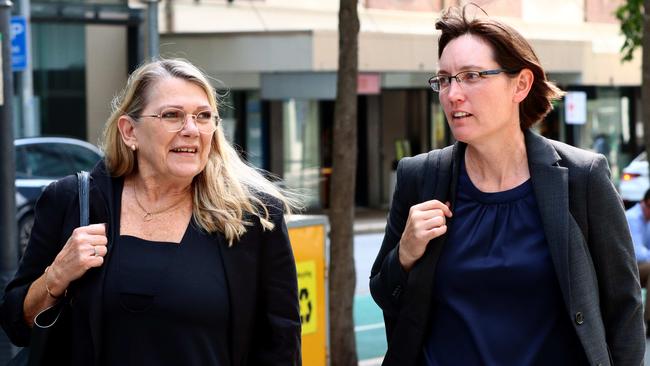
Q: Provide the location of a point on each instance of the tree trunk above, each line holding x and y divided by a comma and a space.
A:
645, 80
341, 214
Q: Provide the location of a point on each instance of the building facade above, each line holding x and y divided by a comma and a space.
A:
275, 61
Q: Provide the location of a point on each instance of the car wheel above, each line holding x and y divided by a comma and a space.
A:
24, 230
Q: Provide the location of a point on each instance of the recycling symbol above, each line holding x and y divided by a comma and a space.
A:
305, 306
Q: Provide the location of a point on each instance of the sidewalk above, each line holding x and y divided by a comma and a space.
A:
368, 220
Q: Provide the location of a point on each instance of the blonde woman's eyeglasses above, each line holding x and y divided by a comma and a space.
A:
174, 119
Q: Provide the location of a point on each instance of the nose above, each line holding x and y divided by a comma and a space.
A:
190, 127
454, 90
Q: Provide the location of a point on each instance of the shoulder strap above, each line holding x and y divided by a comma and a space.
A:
417, 299
435, 183
83, 180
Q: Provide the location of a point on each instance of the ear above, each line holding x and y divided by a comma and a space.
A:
127, 130
523, 83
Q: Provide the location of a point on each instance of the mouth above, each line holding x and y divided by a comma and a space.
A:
459, 115
190, 150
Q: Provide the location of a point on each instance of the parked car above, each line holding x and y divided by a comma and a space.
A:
634, 181
40, 161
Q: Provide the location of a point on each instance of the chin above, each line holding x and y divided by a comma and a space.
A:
185, 172
461, 135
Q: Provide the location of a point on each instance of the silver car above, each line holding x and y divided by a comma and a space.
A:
40, 161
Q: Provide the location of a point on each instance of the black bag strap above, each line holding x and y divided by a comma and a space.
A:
436, 184
438, 169
83, 180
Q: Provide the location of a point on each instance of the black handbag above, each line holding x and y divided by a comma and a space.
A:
51, 333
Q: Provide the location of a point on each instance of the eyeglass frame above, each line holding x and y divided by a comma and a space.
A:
194, 116
482, 74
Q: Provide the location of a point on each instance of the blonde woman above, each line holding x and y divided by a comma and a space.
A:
187, 259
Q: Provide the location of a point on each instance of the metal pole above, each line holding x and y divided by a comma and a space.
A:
152, 21
30, 126
8, 236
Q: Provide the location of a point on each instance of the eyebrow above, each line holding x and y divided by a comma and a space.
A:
199, 108
464, 68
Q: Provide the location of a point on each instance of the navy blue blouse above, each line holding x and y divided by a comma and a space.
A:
497, 300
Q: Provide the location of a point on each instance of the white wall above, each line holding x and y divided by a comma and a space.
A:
106, 74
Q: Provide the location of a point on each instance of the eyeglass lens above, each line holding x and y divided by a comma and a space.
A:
175, 120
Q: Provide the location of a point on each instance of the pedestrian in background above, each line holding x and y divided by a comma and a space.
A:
638, 218
187, 259
530, 262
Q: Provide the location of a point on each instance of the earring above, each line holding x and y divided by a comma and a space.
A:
133, 147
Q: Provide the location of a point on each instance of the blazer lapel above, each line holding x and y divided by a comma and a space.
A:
551, 186
101, 206
239, 263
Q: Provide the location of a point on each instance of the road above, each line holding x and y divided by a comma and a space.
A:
368, 321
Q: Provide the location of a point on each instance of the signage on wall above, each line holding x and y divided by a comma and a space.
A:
18, 43
575, 107
368, 84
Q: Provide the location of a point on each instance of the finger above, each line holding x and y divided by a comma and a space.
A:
432, 205
100, 250
95, 229
101, 240
436, 232
434, 222
96, 261
446, 209
427, 215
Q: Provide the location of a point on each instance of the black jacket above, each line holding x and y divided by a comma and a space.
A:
588, 239
260, 270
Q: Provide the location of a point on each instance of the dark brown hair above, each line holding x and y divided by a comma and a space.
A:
511, 52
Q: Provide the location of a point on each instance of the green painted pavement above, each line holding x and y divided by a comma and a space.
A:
369, 328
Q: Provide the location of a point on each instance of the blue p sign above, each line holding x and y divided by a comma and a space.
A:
18, 43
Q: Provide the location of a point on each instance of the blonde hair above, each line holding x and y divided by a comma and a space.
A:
228, 191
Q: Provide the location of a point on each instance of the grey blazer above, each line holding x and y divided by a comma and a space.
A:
588, 239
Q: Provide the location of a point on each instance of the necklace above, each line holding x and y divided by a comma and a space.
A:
148, 216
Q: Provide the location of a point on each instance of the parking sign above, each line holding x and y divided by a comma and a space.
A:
18, 43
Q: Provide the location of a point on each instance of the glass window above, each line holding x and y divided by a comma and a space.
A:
22, 170
53, 160
602, 132
254, 130
80, 158
301, 148
60, 78
46, 161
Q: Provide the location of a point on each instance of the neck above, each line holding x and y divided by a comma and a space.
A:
498, 165
155, 189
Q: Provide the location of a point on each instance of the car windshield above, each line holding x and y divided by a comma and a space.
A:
52, 160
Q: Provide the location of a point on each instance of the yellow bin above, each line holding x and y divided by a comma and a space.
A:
308, 235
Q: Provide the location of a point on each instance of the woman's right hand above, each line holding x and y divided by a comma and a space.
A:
426, 221
85, 249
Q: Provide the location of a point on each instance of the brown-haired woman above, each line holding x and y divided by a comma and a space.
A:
536, 265
187, 259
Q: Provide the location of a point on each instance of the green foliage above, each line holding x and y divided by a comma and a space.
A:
631, 16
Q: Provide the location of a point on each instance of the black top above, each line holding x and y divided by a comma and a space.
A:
263, 315
166, 303
497, 297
